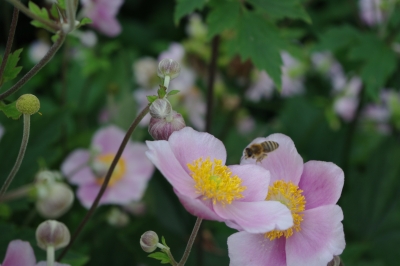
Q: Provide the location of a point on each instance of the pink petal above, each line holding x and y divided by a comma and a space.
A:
255, 179
257, 217
108, 139
19, 253
108, 26
136, 161
198, 207
44, 263
322, 183
87, 194
320, 238
188, 145
126, 190
285, 163
164, 159
75, 161
247, 249
82, 177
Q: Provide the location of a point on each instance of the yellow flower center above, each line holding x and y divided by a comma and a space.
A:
215, 181
103, 162
290, 195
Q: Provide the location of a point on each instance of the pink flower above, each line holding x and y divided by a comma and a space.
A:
194, 163
310, 191
20, 253
371, 12
103, 13
87, 169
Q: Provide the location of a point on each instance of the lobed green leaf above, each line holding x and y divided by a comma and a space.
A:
185, 7
11, 69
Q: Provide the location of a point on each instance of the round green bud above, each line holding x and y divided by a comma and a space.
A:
28, 104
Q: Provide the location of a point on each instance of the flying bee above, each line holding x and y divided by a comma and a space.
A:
260, 151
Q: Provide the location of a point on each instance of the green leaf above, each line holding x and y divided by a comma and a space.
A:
43, 13
152, 98
184, 7
162, 91
337, 38
279, 9
55, 37
76, 259
173, 92
85, 21
61, 3
10, 110
379, 62
259, 40
164, 259
5, 211
215, 24
11, 70
163, 241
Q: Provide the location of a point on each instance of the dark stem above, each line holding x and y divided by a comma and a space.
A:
106, 180
191, 241
348, 142
10, 40
53, 49
210, 84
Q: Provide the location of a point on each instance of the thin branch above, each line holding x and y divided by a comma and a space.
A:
21, 154
51, 24
191, 241
210, 83
10, 40
106, 180
52, 51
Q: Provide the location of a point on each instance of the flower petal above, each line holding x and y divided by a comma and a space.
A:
19, 253
247, 249
188, 145
44, 263
198, 207
322, 183
87, 194
284, 163
138, 166
163, 158
108, 139
320, 238
82, 176
257, 217
75, 161
255, 179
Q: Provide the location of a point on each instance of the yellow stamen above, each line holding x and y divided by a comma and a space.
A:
290, 195
215, 181
119, 171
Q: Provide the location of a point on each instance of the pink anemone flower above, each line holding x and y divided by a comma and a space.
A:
20, 253
103, 13
87, 169
194, 163
310, 191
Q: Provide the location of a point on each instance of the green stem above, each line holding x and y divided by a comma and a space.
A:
52, 25
17, 193
190, 242
10, 40
53, 49
106, 180
70, 10
50, 256
20, 157
167, 79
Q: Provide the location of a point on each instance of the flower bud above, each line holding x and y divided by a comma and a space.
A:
160, 108
149, 241
56, 202
162, 128
28, 104
168, 67
117, 218
52, 233
336, 261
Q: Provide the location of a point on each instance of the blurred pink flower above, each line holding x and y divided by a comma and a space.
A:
87, 169
371, 12
310, 191
37, 50
194, 163
103, 13
20, 253
325, 63
346, 103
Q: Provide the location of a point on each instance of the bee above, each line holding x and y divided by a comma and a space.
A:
260, 151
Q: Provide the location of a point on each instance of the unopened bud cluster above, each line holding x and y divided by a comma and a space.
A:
28, 104
168, 67
52, 234
149, 241
164, 121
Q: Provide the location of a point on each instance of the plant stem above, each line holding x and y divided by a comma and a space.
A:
167, 79
106, 179
70, 10
17, 193
51, 24
9, 44
50, 256
210, 83
190, 242
20, 157
53, 49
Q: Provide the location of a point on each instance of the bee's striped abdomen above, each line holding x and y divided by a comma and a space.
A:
269, 146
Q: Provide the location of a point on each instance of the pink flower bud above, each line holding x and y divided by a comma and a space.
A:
162, 128
52, 233
168, 67
160, 108
56, 200
149, 241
